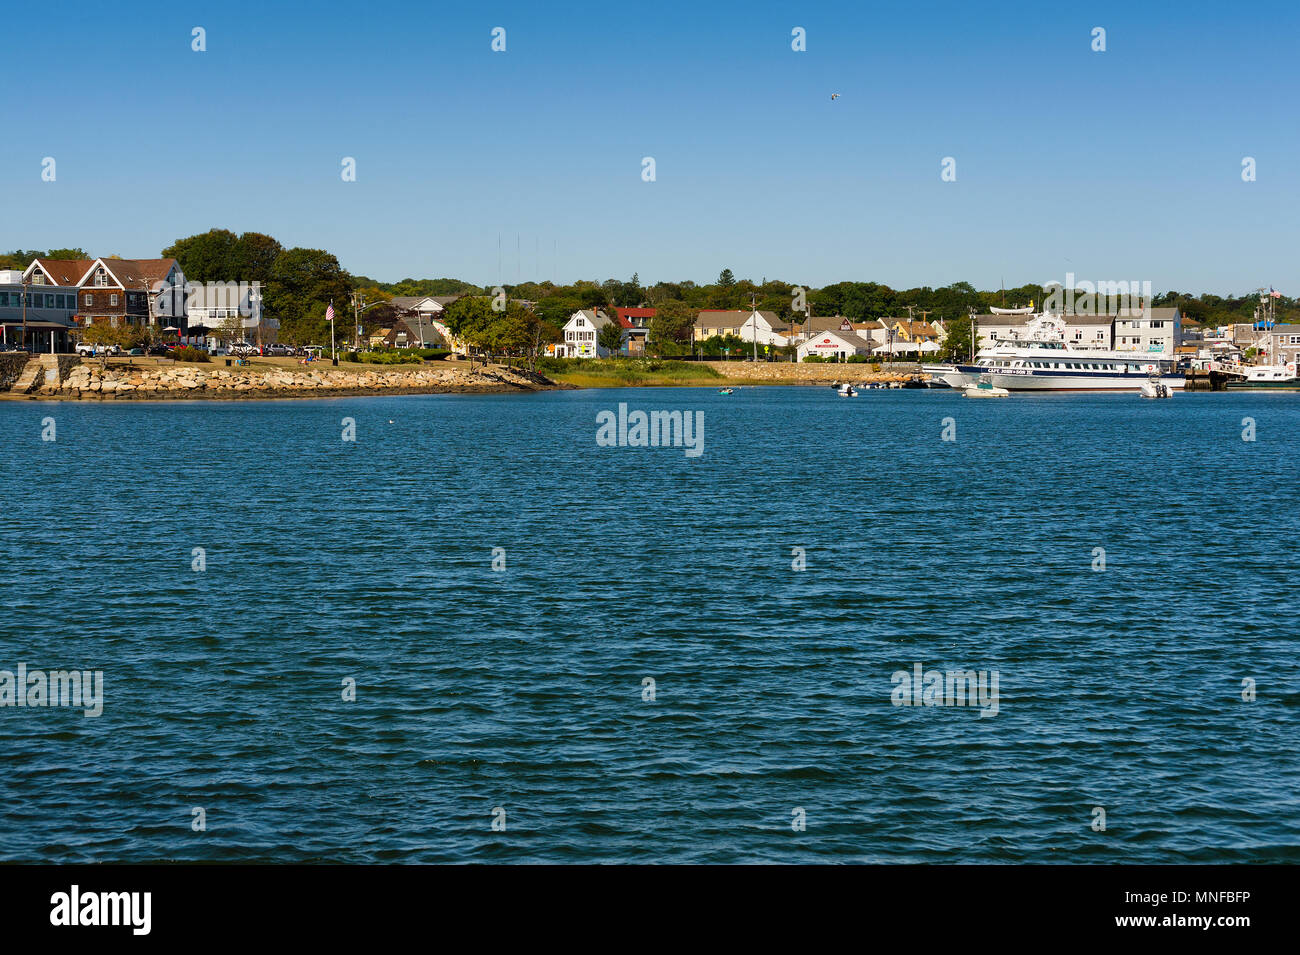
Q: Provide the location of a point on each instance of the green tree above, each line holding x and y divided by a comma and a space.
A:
610, 336
207, 257
253, 258
303, 282
957, 343
671, 328
469, 320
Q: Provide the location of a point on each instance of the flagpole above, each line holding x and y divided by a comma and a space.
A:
334, 352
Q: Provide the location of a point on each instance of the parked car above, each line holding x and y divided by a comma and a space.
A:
279, 350
242, 349
158, 348
88, 350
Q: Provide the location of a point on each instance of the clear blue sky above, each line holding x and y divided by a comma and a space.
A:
1117, 165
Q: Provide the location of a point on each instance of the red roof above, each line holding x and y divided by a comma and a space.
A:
636, 312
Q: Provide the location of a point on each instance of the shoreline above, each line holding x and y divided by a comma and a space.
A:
47, 379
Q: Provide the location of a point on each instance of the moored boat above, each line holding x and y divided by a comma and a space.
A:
1045, 361
984, 388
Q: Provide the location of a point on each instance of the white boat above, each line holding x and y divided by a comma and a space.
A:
1260, 376
1154, 387
984, 388
847, 391
1045, 361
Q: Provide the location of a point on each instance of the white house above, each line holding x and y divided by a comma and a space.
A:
226, 310
836, 344
580, 333
746, 325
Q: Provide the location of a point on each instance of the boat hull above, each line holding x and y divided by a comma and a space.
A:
1038, 379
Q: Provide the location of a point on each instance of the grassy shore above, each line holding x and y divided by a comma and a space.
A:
628, 372
641, 372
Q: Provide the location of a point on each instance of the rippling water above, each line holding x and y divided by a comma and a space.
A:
521, 689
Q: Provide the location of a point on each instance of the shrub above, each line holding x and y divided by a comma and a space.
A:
188, 353
383, 357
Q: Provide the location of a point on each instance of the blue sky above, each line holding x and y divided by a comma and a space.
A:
1117, 165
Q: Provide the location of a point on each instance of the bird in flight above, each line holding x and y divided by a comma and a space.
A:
834, 96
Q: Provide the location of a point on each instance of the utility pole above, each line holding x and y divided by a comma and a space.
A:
357, 301
753, 317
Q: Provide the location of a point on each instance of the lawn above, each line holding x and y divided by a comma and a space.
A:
622, 372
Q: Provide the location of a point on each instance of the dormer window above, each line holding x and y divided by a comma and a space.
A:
101, 278
38, 279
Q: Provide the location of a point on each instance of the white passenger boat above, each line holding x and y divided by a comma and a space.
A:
1045, 361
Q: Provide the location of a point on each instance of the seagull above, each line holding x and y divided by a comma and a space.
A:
834, 96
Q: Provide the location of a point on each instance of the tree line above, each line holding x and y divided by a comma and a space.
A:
299, 283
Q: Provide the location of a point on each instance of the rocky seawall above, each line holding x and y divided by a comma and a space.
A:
92, 381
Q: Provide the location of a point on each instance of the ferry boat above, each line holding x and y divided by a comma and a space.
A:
1045, 361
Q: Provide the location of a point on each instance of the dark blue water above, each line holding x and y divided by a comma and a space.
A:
522, 689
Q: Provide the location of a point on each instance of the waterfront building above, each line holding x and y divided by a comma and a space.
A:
1282, 345
837, 344
1082, 331
1155, 331
917, 333
580, 333
131, 292
228, 311
636, 327
37, 312
749, 325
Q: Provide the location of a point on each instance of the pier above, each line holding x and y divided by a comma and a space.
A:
1199, 379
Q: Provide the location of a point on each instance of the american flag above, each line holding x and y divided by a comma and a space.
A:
1273, 293
329, 313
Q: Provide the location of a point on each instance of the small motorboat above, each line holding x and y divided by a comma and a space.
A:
984, 388
1153, 387
726, 391
847, 391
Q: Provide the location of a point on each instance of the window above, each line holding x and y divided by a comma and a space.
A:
90, 300
1159, 324
101, 279
38, 278
49, 300
112, 300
